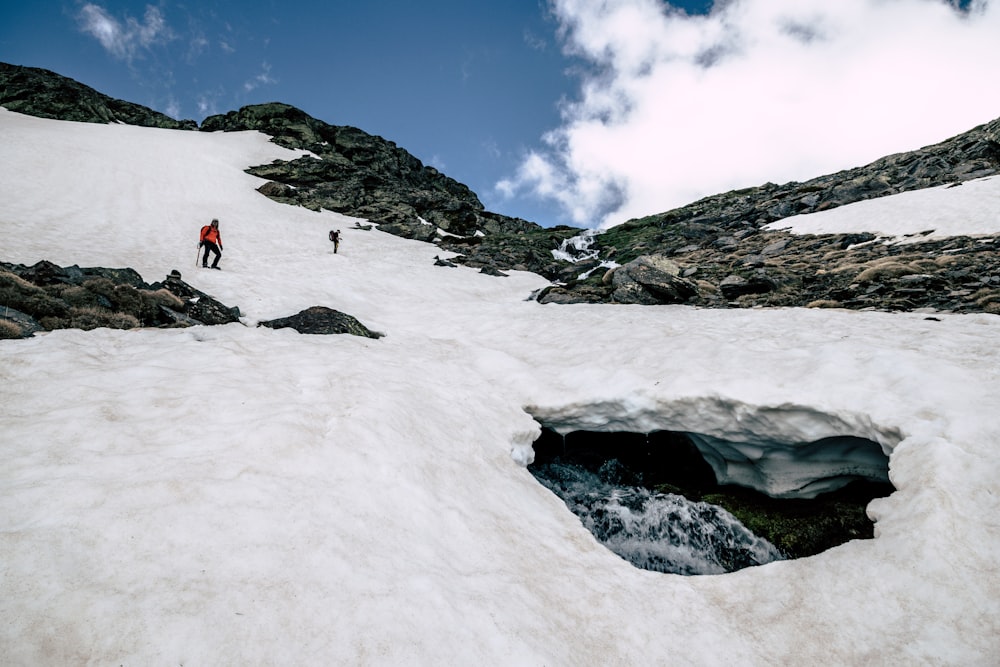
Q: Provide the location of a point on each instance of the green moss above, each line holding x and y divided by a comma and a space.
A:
624, 243
803, 527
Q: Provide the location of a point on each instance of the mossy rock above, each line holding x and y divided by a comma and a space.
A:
800, 528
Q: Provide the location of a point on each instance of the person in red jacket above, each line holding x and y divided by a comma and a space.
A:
212, 242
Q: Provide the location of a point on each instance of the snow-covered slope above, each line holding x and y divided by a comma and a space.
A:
238, 495
963, 209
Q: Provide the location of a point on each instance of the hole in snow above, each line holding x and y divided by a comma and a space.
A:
654, 498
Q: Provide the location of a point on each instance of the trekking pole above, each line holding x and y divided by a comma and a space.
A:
197, 256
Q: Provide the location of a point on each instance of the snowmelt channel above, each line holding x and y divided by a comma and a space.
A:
690, 502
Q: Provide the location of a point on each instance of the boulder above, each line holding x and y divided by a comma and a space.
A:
734, 286
198, 305
651, 280
15, 324
322, 320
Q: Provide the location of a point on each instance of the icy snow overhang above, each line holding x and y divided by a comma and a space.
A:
784, 451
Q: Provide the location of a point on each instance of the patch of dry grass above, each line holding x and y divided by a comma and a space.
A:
824, 303
88, 318
10, 330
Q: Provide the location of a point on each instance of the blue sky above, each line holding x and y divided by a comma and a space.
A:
583, 112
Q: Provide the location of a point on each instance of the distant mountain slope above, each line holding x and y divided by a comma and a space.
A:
357, 173
973, 154
714, 252
363, 175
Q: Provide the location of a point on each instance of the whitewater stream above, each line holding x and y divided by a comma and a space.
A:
662, 532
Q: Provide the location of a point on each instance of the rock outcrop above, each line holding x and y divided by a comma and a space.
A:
651, 280
40, 92
856, 271
45, 297
352, 172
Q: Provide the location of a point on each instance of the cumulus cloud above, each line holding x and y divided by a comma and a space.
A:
673, 107
124, 39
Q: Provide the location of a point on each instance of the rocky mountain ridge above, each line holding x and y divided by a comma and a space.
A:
349, 171
352, 172
40, 92
714, 252
720, 244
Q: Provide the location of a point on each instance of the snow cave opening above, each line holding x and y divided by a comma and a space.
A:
655, 500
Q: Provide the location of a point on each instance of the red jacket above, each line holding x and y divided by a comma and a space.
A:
211, 234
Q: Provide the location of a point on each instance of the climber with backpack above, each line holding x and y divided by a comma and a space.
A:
335, 237
211, 240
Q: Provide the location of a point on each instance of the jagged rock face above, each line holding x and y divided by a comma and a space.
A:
353, 172
39, 92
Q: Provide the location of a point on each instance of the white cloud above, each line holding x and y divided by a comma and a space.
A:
438, 162
534, 41
207, 105
263, 78
124, 40
676, 107
197, 45
173, 108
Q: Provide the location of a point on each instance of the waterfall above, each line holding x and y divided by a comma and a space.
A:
578, 249
662, 532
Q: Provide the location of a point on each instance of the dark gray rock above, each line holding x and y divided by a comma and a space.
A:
24, 325
734, 286
58, 297
198, 306
651, 280
322, 320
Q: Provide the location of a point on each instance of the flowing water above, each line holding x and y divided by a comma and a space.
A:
578, 249
654, 531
